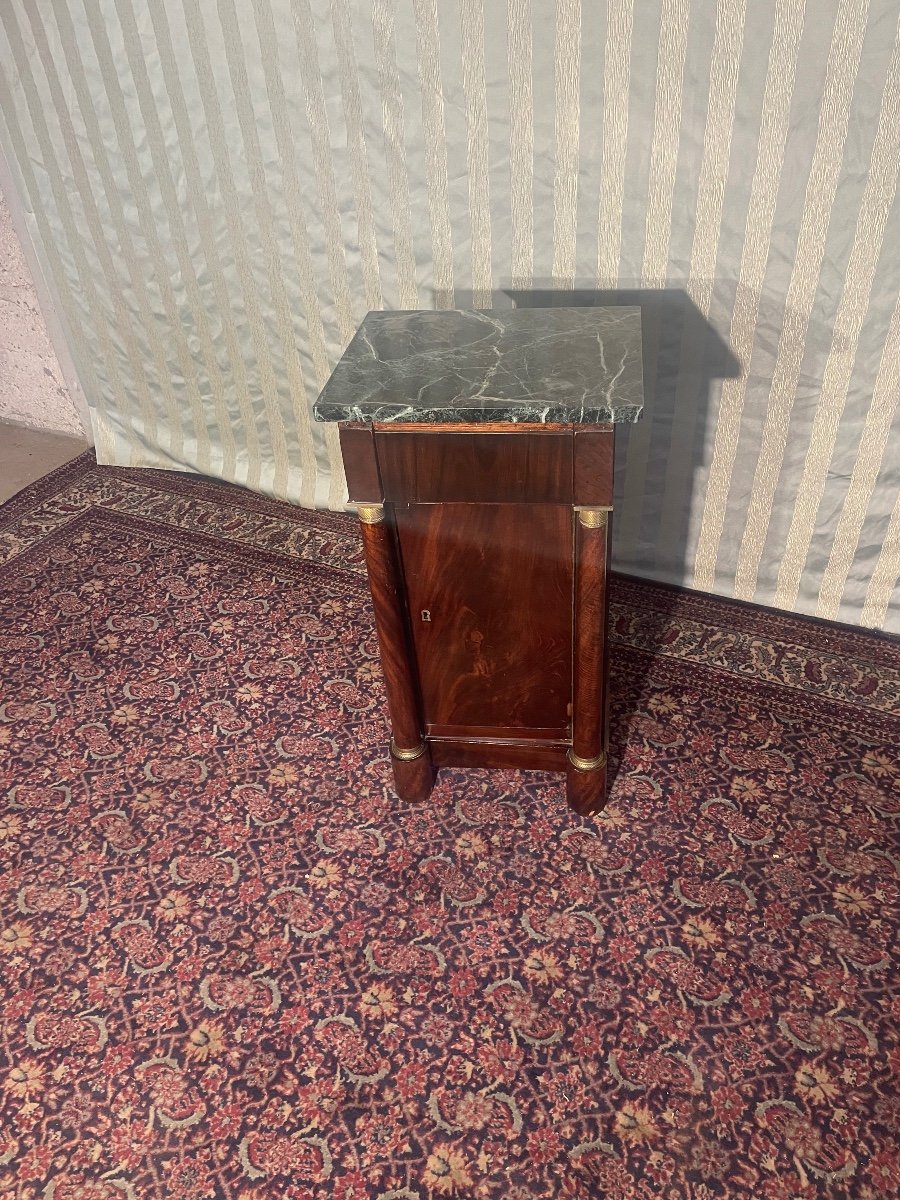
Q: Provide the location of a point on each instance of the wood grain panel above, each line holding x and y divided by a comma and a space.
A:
498, 732
516, 756
593, 467
496, 581
490, 468
360, 462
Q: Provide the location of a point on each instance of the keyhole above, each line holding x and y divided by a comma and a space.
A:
426, 614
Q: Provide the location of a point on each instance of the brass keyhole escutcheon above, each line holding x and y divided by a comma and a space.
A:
426, 614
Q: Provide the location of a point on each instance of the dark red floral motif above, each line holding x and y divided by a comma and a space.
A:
233, 967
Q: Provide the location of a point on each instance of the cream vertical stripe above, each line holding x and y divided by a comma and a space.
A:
285, 140
843, 64
776, 108
196, 202
95, 223
203, 187
866, 467
726, 63
251, 469
219, 449
567, 63
673, 32
661, 191
884, 579
220, 143
319, 453
147, 419
689, 391
878, 196
73, 242
395, 151
359, 163
113, 200
200, 455
264, 409
616, 72
428, 46
475, 91
237, 67
521, 142
311, 75
335, 243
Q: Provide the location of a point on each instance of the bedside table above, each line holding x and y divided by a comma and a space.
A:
478, 449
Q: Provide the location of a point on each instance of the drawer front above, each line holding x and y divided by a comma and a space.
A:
513, 467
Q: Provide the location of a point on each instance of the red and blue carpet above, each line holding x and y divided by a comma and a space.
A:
234, 967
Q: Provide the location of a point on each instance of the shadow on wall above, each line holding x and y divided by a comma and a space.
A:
660, 459
657, 460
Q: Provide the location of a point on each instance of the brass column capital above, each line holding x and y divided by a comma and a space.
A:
370, 514
593, 518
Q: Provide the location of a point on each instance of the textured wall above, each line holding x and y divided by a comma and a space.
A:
221, 190
32, 389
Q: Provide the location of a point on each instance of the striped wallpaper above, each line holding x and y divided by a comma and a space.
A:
218, 190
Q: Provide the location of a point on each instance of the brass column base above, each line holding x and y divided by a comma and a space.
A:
413, 777
398, 752
586, 783
586, 764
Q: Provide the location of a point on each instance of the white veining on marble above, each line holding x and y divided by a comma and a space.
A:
536, 365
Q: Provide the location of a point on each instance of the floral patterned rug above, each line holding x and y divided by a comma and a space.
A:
233, 966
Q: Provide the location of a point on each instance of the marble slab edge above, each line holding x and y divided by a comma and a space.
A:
514, 414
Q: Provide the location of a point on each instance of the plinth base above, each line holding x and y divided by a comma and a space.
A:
414, 777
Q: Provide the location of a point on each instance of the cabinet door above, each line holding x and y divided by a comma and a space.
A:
489, 589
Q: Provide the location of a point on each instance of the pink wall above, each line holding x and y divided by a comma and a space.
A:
32, 389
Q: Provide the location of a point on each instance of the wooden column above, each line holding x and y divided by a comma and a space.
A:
410, 756
586, 771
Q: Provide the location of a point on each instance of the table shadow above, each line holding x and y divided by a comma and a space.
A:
665, 454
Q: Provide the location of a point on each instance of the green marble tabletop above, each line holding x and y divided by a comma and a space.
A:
538, 365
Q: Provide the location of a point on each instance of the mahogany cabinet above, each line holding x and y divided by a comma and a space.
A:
487, 549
